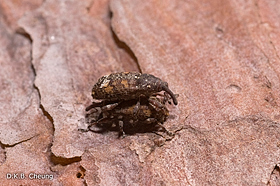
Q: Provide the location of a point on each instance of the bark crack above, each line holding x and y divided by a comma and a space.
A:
3, 145
126, 48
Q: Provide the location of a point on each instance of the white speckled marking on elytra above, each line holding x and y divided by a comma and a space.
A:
105, 83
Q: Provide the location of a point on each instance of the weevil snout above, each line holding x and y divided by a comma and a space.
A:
166, 89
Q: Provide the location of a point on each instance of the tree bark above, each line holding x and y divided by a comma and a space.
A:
221, 57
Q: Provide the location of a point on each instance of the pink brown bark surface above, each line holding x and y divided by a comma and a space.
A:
221, 57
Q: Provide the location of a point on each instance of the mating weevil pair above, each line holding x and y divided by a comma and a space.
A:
131, 100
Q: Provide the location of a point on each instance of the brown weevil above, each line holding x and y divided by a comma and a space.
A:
130, 100
151, 114
129, 85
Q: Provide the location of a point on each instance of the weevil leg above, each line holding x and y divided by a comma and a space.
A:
91, 107
166, 98
101, 104
121, 134
105, 109
151, 120
104, 123
110, 106
94, 104
89, 128
136, 108
156, 104
165, 130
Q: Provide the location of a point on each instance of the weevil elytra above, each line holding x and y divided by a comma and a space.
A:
129, 85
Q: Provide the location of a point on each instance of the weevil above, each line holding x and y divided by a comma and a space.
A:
152, 113
129, 85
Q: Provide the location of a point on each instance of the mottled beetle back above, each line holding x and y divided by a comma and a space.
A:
129, 85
